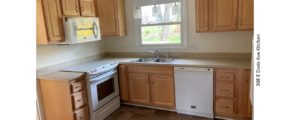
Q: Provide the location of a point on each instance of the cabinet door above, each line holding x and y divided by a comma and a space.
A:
54, 21
70, 7
246, 106
225, 15
162, 90
112, 17
123, 82
201, 10
41, 35
139, 88
246, 14
88, 7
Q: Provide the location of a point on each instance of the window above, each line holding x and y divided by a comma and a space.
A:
161, 23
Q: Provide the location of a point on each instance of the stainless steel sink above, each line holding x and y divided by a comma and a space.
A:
164, 60
155, 60
144, 60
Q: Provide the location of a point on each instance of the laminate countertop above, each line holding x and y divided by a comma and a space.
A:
190, 62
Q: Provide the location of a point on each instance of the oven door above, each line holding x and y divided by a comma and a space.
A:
104, 88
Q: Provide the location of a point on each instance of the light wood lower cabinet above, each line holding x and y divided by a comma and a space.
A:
232, 93
64, 96
162, 87
148, 85
41, 35
139, 88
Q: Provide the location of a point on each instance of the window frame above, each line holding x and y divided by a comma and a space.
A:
183, 24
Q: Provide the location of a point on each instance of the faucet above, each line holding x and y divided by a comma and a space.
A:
156, 53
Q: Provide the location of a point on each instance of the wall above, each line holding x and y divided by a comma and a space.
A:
48, 55
234, 42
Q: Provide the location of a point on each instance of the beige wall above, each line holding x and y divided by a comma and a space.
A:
54, 54
234, 42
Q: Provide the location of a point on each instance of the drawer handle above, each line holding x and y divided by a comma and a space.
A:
79, 100
81, 117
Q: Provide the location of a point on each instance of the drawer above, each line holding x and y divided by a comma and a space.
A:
77, 85
81, 114
224, 106
225, 76
78, 99
224, 90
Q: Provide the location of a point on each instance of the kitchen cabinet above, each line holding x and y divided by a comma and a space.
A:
139, 88
78, 7
151, 85
224, 15
112, 17
64, 96
232, 93
201, 11
70, 7
123, 83
246, 15
245, 103
162, 87
41, 35
54, 21
88, 8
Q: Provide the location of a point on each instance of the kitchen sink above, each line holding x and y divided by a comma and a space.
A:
154, 60
164, 60
144, 60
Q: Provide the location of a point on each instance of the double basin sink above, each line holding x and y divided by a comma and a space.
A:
154, 60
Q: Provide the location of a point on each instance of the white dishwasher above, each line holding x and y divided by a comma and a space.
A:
194, 91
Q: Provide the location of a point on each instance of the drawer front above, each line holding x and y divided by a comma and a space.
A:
81, 114
225, 76
79, 99
77, 85
224, 106
224, 90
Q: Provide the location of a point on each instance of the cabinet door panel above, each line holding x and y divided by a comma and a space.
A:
41, 35
139, 88
54, 22
108, 17
70, 7
225, 15
88, 7
202, 14
162, 90
246, 14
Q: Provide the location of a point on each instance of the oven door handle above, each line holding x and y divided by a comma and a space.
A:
101, 77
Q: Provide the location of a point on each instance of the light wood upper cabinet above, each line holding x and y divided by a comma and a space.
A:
246, 14
54, 21
162, 88
139, 88
202, 9
112, 17
123, 83
41, 35
87, 8
225, 15
70, 7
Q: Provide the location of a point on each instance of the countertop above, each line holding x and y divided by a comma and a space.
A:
179, 62
220, 63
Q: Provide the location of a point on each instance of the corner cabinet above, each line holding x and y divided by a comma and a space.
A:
224, 15
147, 85
112, 17
64, 96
